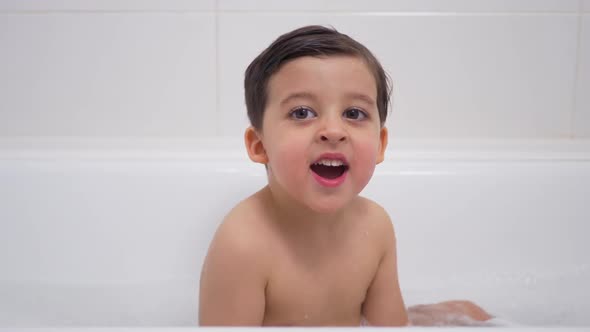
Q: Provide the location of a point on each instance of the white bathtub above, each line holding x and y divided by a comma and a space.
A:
117, 238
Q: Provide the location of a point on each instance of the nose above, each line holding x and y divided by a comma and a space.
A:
333, 131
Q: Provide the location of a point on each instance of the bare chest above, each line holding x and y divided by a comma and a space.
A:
319, 288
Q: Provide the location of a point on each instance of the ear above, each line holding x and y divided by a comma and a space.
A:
254, 146
382, 145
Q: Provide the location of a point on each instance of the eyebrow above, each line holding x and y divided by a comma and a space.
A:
361, 96
298, 95
308, 95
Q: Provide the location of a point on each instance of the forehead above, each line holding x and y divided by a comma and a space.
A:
327, 75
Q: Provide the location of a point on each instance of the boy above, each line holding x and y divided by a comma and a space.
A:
306, 249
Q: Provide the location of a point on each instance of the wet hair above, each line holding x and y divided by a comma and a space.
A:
313, 40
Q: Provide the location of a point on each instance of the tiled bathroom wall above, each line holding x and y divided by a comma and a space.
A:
168, 69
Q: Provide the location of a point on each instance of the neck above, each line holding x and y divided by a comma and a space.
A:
297, 217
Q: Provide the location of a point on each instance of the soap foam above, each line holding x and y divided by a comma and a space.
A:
460, 320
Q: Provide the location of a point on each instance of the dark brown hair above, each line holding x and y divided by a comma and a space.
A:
310, 40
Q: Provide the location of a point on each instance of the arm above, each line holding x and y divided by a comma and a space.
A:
384, 305
448, 313
232, 281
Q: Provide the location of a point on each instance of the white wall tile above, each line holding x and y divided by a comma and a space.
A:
581, 119
455, 76
107, 5
586, 6
403, 5
92, 74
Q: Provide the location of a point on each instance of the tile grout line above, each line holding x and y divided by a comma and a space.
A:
572, 129
114, 11
398, 13
217, 70
294, 12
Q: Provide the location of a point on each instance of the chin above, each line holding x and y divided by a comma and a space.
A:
328, 205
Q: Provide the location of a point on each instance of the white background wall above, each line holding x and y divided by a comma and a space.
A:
173, 69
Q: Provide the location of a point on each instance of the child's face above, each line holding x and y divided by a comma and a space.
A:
322, 110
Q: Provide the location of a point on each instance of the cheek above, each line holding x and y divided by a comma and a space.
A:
366, 152
288, 158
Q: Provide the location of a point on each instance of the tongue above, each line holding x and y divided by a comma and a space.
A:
328, 172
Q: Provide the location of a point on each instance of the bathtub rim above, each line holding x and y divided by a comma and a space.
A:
290, 329
232, 148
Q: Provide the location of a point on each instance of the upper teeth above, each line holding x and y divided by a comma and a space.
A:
329, 162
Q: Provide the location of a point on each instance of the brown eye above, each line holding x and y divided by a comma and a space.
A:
354, 114
302, 113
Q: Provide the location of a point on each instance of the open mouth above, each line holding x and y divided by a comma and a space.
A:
329, 168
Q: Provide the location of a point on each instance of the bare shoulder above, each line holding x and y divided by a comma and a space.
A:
235, 271
243, 230
373, 209
375, 214
377, 221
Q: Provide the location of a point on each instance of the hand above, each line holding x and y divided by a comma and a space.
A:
449, 313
